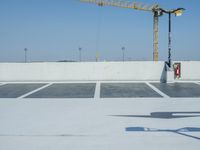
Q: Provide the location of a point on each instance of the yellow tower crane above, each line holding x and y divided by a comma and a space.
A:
156, 9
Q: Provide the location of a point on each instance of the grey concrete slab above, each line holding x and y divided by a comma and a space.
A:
179, 89
121, 90
16, 90
66, 90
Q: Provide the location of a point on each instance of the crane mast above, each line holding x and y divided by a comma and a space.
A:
157, 12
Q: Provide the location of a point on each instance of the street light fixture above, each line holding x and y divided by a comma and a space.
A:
177, 12
123, 53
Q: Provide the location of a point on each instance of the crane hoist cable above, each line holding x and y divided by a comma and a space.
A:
98, 34
137, 6
155, 8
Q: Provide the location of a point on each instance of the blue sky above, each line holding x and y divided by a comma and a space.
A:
53, 30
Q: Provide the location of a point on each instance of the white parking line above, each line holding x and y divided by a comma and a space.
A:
97, 90
157, 90
2, 84
197, 83
36, 90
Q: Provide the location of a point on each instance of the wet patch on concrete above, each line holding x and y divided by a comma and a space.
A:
179, 89
66, 90
17, 90
126, 90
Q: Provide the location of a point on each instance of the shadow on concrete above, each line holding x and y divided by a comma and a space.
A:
181, 131
163, 77
164, 115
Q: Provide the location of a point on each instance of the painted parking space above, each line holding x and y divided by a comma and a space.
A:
126, 90
16, 90
179, 89
66, 90
105, 90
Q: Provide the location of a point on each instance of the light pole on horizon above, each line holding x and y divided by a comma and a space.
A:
80, 54
25, 55
123, 53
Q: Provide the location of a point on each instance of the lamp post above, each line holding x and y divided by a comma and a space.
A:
123, 53
25, 54
177, 12
80, 54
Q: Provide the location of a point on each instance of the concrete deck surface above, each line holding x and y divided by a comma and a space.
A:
100, 123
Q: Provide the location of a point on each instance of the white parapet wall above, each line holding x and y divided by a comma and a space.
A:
81, 71
89, 71
190, 70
